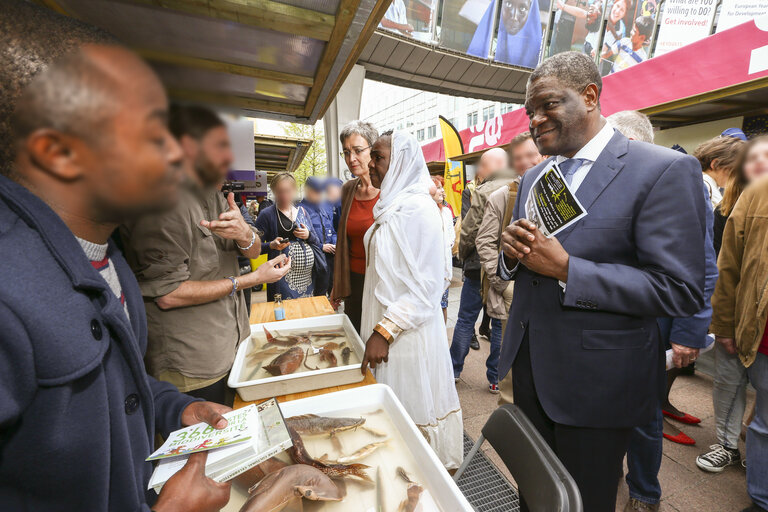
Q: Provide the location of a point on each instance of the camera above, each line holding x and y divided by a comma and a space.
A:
233, 186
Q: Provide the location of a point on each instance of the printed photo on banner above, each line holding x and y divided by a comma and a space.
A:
411, 18
628, 34
576, 26
520, 32
467, 26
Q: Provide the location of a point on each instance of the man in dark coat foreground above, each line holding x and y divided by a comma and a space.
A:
84, 146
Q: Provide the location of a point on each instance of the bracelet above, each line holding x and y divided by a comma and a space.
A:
234, 285
253, 241
385, 333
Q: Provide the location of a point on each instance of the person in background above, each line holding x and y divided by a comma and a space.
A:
84, 146
582, 340
718, 159
264, 203
321, 220
739, 320
615, 29
406, 343
358, 196
684, 336
729, 392
438, 195
289, 231
492, 172
333, 200
497, 293
253, 209
396, 19
523, 153
629, 51
186, 262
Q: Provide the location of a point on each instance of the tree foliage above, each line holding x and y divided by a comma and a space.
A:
315, 162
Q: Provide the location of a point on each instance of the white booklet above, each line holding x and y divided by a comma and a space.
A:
551, 204
267, 437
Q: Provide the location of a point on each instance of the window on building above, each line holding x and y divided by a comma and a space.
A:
420, 134
471, 119
489, 113
432, 132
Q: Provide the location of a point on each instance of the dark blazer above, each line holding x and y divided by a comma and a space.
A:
638, 255
78, 413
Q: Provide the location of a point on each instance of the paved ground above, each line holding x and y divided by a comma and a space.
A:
684, 486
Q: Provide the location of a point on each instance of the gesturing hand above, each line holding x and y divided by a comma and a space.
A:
523, 242
273, 270
231, 224
189, 490
682, 356
301, 232
376, 351
208, 412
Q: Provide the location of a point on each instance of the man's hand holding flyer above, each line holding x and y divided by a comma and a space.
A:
551, 204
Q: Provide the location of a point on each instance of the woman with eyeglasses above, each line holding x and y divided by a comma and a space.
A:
358, 197
287, 228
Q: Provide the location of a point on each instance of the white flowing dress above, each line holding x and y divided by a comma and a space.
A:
406, 274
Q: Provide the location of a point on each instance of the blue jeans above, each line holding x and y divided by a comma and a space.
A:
469, 308
757, 434
644, 460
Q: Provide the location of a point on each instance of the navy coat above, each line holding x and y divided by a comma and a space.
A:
78, 413
596, 352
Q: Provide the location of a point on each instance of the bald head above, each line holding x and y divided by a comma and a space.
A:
493, 160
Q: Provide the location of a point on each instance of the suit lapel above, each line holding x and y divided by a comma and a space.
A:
603, 171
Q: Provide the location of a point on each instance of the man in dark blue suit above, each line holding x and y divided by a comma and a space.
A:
582, 339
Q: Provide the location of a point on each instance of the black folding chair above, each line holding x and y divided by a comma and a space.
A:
541, 478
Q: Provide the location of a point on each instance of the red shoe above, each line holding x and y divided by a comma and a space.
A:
680, 438
685, 418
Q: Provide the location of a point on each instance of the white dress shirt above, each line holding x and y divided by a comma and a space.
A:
589, 152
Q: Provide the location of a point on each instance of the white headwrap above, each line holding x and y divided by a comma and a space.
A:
407, 177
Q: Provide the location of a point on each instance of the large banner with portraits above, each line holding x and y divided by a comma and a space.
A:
520, 32
467, 26
628, 33
684, 22
411, 18
736, 12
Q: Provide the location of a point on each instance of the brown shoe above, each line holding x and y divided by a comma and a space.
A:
634, 504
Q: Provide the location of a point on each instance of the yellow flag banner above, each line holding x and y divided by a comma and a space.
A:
454, 170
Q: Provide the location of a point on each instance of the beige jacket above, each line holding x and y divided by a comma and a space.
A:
740, 301
488, 242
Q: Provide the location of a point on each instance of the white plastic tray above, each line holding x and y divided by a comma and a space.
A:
303, 381
433, 475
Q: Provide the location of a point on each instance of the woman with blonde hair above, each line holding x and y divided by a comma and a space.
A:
288, 230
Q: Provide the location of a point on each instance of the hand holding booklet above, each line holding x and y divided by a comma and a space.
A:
253, 434
551, 204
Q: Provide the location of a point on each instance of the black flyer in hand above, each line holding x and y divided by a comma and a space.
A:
551, 204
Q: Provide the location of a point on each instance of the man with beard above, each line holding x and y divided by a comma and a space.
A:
84, 146
186, 264
582, 340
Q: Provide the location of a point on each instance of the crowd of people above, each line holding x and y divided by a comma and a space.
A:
122, 299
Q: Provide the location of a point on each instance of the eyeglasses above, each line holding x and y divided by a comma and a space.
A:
358, 151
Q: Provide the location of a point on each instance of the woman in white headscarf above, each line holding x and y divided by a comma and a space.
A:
406, 262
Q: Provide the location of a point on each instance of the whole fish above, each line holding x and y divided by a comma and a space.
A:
268, 350
345, 355
299, 455
292, 482
332, 345
325, 356
359, 454
412, 498
286, 363
404, 475
313, 425
284, 341
328, 334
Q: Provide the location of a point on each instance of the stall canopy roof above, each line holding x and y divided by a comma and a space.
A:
279, 153
720, 76
261, 58
406, 62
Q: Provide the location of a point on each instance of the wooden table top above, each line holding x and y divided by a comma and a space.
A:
299, 308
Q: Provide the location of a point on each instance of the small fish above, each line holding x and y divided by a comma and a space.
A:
313, 425
404, 475
361, 453
255, 370
331, 333
325, 356
412, 500
331, 345
299, 455
284, 341
290, 483
345, 355
266, 351
375, 432
286, 363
